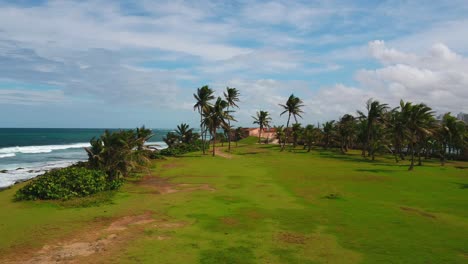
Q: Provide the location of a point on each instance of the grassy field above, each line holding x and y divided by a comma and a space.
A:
255, 205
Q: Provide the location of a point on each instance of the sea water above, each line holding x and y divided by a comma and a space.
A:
28, 152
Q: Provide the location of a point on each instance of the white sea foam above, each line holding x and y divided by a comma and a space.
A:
26, 170
38, 149
6, 155
34, 169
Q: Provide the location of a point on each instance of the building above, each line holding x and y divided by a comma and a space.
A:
269, 133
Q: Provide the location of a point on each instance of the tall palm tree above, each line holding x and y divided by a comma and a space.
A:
293, 107
215, 117
263, 120
203, 97
375, 113
418, 124
231, 95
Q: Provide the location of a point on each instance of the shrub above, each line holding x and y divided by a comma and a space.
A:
180, 149
67, 183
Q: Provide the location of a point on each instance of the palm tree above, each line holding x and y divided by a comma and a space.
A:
238, 134
142, 136
346, 130
296, 132
375, 113
293, 108
203, 96
216, 117
231, 95
328, 128
185, 133
397, 120
309, 136
263, 120
280, 134
418, 124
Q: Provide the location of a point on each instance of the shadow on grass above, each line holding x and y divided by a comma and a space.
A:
462, 185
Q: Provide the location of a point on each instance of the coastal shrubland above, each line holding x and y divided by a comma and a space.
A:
111, 157
67, 183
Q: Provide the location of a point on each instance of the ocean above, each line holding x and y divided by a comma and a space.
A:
28, 152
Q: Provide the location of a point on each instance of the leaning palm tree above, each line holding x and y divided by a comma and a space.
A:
375, 113
231, 95
263, 120
216, 117
293, 108
203, 96
418, 124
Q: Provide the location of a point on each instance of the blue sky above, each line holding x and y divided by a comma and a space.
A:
127, 63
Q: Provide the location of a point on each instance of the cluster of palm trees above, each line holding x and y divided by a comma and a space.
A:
120, 152
408, 130
215, 114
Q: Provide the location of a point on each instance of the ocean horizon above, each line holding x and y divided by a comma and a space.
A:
28, 152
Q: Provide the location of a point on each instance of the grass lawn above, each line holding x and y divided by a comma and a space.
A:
255, 205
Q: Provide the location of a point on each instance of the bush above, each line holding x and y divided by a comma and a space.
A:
67, 183
180, 149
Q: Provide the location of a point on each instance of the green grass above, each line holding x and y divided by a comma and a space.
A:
272, 207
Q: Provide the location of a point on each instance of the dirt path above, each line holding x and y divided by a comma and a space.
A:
104, 238
97, 243
221, 153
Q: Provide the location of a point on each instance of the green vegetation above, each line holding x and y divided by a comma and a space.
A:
67, 183
260, 206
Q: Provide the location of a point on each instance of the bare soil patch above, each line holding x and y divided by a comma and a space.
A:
96, 243
164, 186
291, 238
229, 221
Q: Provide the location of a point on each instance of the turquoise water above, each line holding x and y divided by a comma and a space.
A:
28, 152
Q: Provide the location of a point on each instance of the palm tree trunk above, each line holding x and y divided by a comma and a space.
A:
412, 157
419, 157
201, 130
214, 142
259, 134
286, 137
229, 132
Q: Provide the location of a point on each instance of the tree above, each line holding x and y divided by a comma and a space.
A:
203, 97
263, 120
418, 124
375, 113
346, 131
328, 128
293, 108
231, 95
238, 134
309, 136
296, 132
280, 134
215, 117
116, 153
397, 120
185, 133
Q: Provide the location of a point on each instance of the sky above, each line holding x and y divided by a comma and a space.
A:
122, 64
